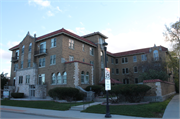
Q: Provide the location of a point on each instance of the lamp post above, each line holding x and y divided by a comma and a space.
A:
108, 115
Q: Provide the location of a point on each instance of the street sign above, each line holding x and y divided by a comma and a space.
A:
107, 79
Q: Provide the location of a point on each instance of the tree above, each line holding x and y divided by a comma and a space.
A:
4, 80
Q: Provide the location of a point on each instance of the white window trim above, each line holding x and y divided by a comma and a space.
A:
53, 58
91, 51
134, 70
71, 43
133, 58
71, 58
53, 43
124, 60
125, 71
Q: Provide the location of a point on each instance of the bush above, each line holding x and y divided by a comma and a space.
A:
132, 92
17, 95
97, 89
80, 96
65, 93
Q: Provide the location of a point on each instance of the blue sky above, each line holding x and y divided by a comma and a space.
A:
128, 24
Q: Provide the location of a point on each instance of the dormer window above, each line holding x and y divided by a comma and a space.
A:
156, 55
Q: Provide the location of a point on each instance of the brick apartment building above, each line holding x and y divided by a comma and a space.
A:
62, 58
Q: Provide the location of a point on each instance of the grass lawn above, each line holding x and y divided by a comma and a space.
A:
41, 104
145, 110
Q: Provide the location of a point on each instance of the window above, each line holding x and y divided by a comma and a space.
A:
135, 70
41, 80
27, 78
92, 63
53, 79
29, 63
87, 78
126, 81
20, 79
17, 54
91, 51
30, 47
71, 58
82, 77
53, 42
53, 59
83, 60
136, 80
71, 44
23, 49
125, 70
82, 47
42, 62
144, 57
59, 79
21, 64
116, 61
134, 59
112, 60
64, 78
112, 71
15, 67
124, 60
156, 55
117, 71
43, 47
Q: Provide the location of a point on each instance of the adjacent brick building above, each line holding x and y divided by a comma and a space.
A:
62, 58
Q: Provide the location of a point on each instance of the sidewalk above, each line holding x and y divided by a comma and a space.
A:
59, 114
172, 109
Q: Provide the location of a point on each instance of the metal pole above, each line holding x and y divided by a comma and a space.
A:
108, 115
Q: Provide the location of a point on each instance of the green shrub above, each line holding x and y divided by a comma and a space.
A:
65, 93
17, 95
131, 92
97, 89
80, 96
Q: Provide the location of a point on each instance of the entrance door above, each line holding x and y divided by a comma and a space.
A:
32, 90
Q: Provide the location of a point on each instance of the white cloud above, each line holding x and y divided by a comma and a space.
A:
43, 3
5, 54
59, 9
49, 13
69, 16
80, 30
81, 23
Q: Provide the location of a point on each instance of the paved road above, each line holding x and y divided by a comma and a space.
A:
20, 115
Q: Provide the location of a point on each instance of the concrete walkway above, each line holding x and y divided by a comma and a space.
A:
172, 109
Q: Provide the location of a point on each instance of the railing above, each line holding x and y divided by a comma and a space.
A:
40, 52
156, 59
15, 59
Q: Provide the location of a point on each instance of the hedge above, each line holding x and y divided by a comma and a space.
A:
17, 95
97, 89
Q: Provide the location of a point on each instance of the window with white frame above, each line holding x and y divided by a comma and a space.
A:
43, 47
82, 77
53, 42
136, 80
53, 79
29, 63
87, 78
64, 78
117, 71
17, 54
125, 70
20, 79
156, 55
53, 60
30, 47
21, 64
41, 80
135, 70
143, 57
27, 79
83, 60
83, 47
71, 58
134, 58
15, 67
59, 79
124, 60
23, 49
42, 62
71, 44
116, 61
91, 51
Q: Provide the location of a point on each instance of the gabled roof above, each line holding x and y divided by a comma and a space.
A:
64, 31
133, 52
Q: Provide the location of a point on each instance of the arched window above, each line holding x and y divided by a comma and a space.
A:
30, 47
64, 78
87, 78
82, 77
156, 55
53, 78
23, 49
59, 79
